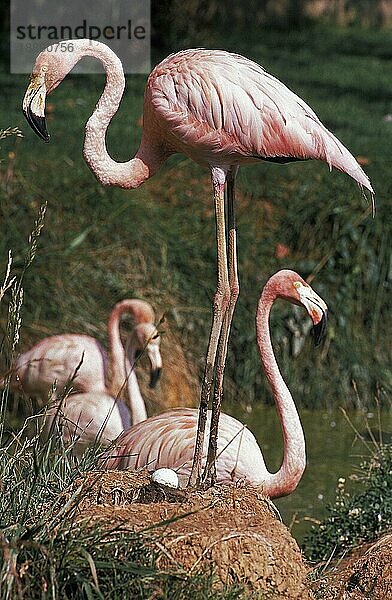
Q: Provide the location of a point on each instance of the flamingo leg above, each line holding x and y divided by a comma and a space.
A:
221, 302
209, 474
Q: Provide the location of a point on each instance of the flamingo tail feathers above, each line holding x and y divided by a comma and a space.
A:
330, 150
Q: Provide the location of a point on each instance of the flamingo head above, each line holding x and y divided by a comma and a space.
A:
145, 338
290, 286
51, 66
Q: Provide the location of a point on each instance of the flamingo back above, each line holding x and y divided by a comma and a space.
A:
222, 108
59, 358
167, 440
88, 419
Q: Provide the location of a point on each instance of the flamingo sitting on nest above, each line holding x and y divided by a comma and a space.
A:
221, 110
168, 439
80, 360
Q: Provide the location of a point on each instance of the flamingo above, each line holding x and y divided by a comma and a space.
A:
92, 418
88, 419
82, 360
221, 110
168, 439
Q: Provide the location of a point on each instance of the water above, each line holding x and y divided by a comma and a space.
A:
333, 451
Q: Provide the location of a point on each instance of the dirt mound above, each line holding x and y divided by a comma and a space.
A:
365, 575
234, 529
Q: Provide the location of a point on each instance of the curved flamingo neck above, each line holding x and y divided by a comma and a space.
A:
294, 457
122, 379
116, 373
130, 174
137, 405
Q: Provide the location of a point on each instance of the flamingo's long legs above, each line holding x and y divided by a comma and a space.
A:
209, 474
221, 303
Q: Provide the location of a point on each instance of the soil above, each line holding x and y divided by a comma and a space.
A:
234, 529
366, 574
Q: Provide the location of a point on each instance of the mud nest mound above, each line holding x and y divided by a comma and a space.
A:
233, 529
364, 575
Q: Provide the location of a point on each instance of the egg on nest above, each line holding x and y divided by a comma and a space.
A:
166, 477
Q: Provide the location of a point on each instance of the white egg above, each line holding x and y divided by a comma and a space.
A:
165, 477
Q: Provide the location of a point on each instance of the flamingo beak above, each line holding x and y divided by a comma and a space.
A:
156, 364
319, 330
34, 106
317, 310
154, 378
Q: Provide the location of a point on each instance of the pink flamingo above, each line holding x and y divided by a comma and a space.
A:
220, 109
80, 360
92, 418
168, 439
96, 417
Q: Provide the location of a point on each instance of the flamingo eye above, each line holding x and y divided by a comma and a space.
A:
44, 69
297, 284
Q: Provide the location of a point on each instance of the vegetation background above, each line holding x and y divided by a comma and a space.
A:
100, 245
157, 243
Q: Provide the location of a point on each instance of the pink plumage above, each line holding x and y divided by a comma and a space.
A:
109, 399
83, 363
92, 418
220, 109
55, 359
168, 439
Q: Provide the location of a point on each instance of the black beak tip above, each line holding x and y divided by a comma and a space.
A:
37, 124
319, 330
154, 378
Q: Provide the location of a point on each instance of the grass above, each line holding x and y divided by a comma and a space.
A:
47, 550
157, 242
360, 515
358, 521
357, 517
49, 553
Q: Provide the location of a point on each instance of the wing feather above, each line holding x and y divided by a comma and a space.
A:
229, 106
168, 439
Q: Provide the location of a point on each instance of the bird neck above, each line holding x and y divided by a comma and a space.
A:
294, 457
130, 174
122, 380
116, 372
137, 406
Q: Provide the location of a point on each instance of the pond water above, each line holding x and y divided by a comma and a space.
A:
333, 451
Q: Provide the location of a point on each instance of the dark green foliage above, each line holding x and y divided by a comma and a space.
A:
158, 242
357, 517
175, 22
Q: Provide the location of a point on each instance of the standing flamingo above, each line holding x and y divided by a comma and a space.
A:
82, 360
220, 109
168, 439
